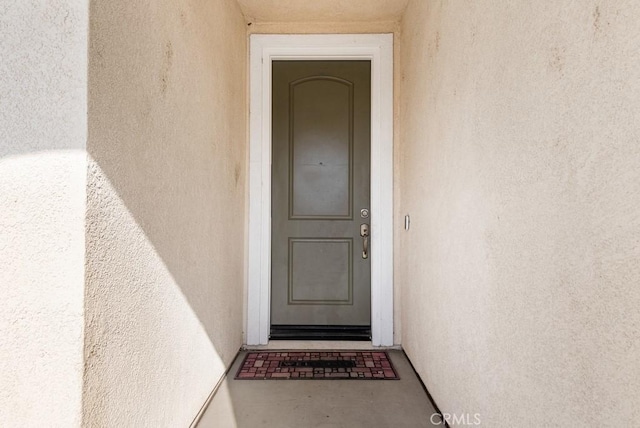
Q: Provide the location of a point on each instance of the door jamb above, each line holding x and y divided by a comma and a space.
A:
265, 48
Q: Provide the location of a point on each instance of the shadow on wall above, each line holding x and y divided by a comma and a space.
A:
165, 207
142, 333
167, 127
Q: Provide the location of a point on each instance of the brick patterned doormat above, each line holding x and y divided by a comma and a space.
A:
374, 365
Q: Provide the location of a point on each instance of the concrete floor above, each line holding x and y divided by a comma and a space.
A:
321, 403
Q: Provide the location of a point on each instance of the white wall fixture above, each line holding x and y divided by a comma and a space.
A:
377, 48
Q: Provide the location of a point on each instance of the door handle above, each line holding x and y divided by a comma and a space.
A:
364, 232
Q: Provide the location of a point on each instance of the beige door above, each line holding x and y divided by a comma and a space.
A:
321, 274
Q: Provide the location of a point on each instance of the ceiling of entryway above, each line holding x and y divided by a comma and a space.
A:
322, 10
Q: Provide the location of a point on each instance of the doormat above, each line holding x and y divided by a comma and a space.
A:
374, 365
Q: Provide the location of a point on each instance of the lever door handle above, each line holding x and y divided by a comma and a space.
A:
364, 232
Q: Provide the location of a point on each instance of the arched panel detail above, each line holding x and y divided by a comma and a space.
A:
321, 148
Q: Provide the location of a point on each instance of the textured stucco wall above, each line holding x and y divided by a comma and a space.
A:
43, 107
326, 11
520, 143
166, 203
312, 27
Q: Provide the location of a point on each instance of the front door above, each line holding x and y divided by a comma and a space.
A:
320, 271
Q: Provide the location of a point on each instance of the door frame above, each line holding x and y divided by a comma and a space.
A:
265, 48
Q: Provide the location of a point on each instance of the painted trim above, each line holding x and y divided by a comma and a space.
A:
265, 48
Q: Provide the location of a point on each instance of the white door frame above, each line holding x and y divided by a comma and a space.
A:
265, 48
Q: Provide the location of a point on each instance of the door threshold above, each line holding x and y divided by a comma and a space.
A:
324, 332
334, 345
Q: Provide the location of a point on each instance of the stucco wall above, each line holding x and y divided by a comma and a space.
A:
166, 203
520, 154
43, 60
326, 12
